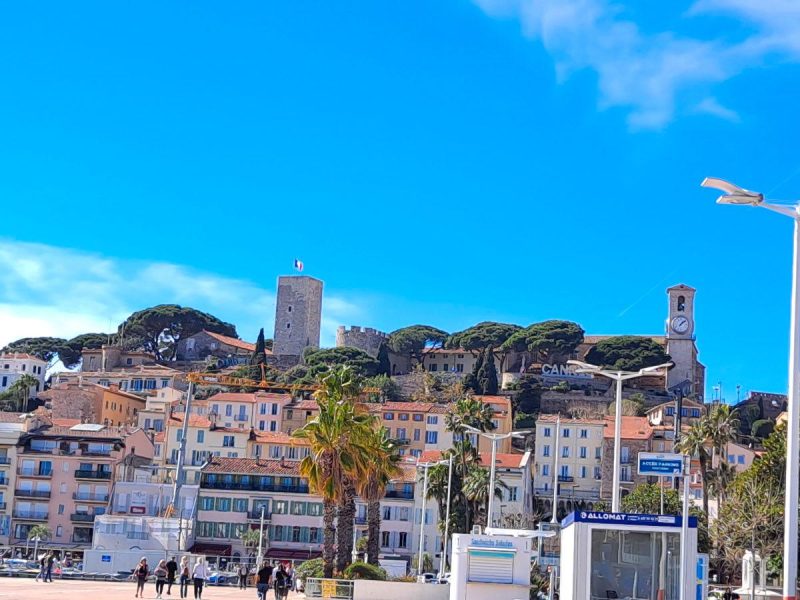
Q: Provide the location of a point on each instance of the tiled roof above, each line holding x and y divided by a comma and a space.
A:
109, 433
236, 343
445, 351
502, 460
633, 428
568, 421
278, 437
22, 356
161, 436
133, 371
11, 417
408, 474
305, 405
251, 466
441, 409
406, 406
65, 422
194, 420
501, 401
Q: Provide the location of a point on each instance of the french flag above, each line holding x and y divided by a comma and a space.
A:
298, 264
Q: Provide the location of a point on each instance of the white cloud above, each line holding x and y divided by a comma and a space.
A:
51, 291
712, 106
648, 73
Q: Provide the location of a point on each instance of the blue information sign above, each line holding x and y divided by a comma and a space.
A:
664, 465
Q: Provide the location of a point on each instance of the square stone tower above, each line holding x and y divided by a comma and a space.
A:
298, 312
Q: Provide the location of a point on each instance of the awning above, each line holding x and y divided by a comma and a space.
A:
292, 554
211, 549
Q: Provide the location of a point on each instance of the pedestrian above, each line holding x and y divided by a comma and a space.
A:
281, 583
185, 576
292, 582
242, 571
199, 576
42, 566
48, 575
263, 580
161, 576
172, 568
140, 573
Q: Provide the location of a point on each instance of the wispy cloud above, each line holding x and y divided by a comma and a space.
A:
47, 290
649, 73
711, 106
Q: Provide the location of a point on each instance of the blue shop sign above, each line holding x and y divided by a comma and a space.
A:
584, 516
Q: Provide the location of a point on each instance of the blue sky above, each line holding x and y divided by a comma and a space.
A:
440, 162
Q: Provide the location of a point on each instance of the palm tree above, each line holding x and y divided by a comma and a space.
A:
722, 425
376, 471
476, 490
41, 531
250, 538
336, 439
693, 442
17, 396
719, 479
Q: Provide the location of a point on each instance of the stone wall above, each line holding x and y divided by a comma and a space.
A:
364, 338
298, 314
634, 447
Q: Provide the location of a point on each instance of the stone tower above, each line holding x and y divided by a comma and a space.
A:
364, 338
298, 312
686, 372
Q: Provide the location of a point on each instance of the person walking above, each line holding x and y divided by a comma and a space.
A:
185, 576
242, 572
172, 568
140, 573
199, 576
263, 578
42, 567
292, 582
281, 583
161, 576
48, 575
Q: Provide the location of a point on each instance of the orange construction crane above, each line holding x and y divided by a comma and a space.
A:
230, 381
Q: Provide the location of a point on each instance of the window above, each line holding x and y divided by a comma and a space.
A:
273, 425
669, 411
565, 432
433, 420
564, 471
128, 361
445, 368
696, 413
401, 433
262, 410
227, 441
201, 435
545, 470
416, 434
240, 505
288, 326
384, 539
597, 472
732, 458
388, 416
222, 504
179, 434
597, 453
584, 433
228, 410
313, 535
546, 450
459, 367
403, 416
206, 503
431, 437
625, 454
164, 383
583, 472
546, 432
583, 451
314, 509
150, 384
59, 531
565, 452
512, 494
299, 509
417, 417
740, 459
387, 513
261, 425
433, 368
280, 507
61, 509
681, 303
402, 540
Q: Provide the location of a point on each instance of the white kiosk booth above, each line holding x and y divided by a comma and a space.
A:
609, 556
492, 567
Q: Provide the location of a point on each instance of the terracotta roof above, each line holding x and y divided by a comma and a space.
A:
194, 420
304, 405
251, 466
65, 422
161, 436
568, 421
441, 409
408, 474
278, 437
11, 417
405, 406
21, 355
502, 401
134, 371
237, 343
502, 460
633, 428
109, 433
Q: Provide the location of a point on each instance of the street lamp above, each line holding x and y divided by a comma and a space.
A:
736, 195
618, 376
495, 437
443, 561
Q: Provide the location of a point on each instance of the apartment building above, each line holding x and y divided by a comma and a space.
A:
262, 411
275, 446
636, 436
64, 475
93, 403
142, 379
664, 414
12, 426
14, 365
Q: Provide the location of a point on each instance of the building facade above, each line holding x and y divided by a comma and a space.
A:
14, 365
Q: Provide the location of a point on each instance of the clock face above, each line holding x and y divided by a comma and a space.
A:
680, 324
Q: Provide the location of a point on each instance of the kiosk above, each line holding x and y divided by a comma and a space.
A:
609, 556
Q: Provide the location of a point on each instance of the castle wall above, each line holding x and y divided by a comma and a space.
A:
364, 338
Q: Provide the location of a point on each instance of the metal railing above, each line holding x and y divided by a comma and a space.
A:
254, 487
31, 515
81, 518
32, 493
137, 535
35, 472
90, 497
256, 515
86, 474
336, 589
400, 494
4, 460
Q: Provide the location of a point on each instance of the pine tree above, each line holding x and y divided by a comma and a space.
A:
258, 357
472, 379
384, 366
487, 375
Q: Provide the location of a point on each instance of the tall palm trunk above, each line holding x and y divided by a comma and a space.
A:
328, 536
374, 529
704, 477
344, 527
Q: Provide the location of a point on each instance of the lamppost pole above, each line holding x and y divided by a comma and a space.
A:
443, 561
736, 195
618, 376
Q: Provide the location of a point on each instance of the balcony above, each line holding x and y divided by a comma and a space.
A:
90, 497
137, 535
4, 460
566, 479
35, 472
32, 493
81, 518
31, 515
85, 474
359, 520
400, 495
2, 505
254, 487
241, 418
3, 481
255, 515
402, 441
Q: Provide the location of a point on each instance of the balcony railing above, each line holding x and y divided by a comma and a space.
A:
4, 460
32, 493
254, 487
360, 520
31, 515
85, 474
399, 494
255, 515
35, 472
565, 479
241, 418
402, 441
137, 535
2, 505
81, 518
80, 539
3, 481
90, 497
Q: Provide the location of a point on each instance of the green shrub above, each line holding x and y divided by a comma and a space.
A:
362, 570
310, 568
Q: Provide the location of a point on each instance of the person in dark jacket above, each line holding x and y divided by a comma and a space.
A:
172, 569
263, 579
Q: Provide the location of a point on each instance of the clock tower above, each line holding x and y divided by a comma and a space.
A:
687, 373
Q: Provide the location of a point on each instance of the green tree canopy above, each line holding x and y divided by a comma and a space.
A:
50, 348
70, 351
161, 327
551, 340
45, 348
320, 361
414, 339
384, 364
487, 375
487, 334
646, 499
627, 353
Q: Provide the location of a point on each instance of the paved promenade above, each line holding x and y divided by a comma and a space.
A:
13, 588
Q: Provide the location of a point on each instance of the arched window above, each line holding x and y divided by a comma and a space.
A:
681, 303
